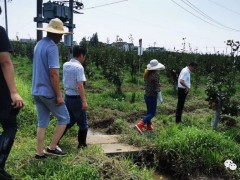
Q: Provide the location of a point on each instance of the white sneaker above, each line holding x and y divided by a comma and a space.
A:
58, 148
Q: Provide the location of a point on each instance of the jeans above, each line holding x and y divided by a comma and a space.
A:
77, 115
180, 104
46, 105
151, 103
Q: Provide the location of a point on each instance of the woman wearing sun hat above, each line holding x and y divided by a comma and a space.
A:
152, 89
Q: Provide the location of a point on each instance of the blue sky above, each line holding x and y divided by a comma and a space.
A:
163, 23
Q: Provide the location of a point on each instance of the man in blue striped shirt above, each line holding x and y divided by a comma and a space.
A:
46, 88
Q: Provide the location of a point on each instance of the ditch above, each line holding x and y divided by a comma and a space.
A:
142, 159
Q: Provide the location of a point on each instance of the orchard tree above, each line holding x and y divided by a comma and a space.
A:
221, 85
113, 66
94, 40
83, 42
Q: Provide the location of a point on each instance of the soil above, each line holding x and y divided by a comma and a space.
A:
104, 119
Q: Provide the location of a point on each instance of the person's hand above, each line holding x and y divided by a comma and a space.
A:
84, 105
17, 101
186, 90
59, 100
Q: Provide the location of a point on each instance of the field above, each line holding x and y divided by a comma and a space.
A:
189, 150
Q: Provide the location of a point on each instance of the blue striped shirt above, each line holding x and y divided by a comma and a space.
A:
46, 56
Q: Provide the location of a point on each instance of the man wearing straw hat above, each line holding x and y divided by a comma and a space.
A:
46, 88
10, 102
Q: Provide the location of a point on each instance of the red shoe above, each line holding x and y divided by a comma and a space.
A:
149, 127
139, 127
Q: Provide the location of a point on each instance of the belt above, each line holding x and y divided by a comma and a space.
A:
72, 96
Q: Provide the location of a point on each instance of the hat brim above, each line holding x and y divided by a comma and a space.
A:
158, 67
51, 30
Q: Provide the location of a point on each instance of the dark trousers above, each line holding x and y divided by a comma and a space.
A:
8, 122
151, 103
180, 104
77, 115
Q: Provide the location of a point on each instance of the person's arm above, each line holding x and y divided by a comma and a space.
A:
182, 82
8, 72
54, 78
81, 92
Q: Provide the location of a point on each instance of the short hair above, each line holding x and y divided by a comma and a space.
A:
193, 64
78, 50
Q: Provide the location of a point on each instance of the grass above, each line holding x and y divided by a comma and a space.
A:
182, 150
195, 149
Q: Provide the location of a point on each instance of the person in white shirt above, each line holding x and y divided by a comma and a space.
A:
75, 98
184, 84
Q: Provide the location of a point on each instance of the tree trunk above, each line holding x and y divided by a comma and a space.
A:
217, 114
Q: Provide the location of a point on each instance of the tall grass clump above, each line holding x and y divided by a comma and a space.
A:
27, 115
190, 150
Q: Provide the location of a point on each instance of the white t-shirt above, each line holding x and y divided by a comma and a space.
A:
185, 76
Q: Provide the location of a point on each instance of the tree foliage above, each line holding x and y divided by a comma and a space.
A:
94, 40
221, 85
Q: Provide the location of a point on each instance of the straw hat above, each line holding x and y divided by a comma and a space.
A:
55, 26
155, 65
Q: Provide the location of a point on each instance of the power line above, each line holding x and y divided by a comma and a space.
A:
205, 17
198, 10
192, 6
224, 7
194, 14
105, 4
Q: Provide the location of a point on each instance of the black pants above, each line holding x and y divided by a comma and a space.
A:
180, 104
77, 115
8, 122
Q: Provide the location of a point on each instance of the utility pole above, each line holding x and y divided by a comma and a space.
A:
39, 23
140, 55
71, 18
57, 9
6, 19
70, 27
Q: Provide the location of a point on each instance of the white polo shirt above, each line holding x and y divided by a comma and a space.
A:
73, 72
185, 76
